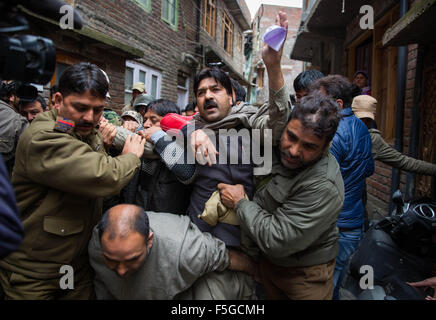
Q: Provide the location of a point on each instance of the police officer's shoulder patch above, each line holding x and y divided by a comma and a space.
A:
64, 125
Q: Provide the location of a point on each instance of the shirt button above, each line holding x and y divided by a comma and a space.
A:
62, 230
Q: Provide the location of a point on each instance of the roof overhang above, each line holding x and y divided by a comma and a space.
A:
414, 27
330, 18
94, 36
326, 21
235, 7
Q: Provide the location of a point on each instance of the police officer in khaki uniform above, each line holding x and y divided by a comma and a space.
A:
61, 174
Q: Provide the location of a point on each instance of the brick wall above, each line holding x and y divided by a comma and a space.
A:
127, 22
237, 59
291, 68
379, 184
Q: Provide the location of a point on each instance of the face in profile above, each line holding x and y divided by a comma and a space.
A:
299, 146
125, 255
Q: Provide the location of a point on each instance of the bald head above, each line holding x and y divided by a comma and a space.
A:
125, 238
123, 220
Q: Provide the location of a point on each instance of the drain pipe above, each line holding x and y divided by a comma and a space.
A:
399, 117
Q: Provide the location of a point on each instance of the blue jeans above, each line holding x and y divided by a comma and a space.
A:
349, 241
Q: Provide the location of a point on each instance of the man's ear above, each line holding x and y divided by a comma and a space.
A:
150, 240
340, 103
59, 100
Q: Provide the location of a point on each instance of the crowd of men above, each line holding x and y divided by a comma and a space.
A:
116, 197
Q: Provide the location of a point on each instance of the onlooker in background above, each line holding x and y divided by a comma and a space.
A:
361, 79
11, 229
364, 108
190, 109
141, 102
351, 147
12, 125
303, 81
53, 90
292, 218
8, 94
138, 88
160, 185
61, 174
239, 93
132, 121
156, 255
31, 109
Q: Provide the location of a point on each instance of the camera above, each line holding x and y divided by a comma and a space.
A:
27, 58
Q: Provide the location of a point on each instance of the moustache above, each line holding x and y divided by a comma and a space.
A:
289, 156
210, 103
84, 124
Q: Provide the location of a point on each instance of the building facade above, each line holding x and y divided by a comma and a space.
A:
162, 43
397, 51
264, 18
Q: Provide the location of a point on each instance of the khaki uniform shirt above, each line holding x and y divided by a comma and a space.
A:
59, 180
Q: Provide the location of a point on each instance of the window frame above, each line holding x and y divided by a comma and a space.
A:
146, 7
231, 26
149, 72
209, 12
174, 26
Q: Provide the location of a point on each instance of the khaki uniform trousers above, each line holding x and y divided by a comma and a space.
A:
297, 283
20, 287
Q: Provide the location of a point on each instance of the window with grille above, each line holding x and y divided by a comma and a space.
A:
209, 16
227, 34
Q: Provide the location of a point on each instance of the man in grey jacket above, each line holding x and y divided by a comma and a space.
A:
139, 255
292, 218
12, 125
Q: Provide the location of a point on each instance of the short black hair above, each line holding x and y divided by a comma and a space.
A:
140, 223
319, 113
336, 87
240, 92
306, 78
39, 98
54, 89
219, 75
356, 90
162, 107
191, 106
82, 77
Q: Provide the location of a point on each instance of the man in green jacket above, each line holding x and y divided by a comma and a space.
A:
292, 218
61, 174
364, 108
142, 255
